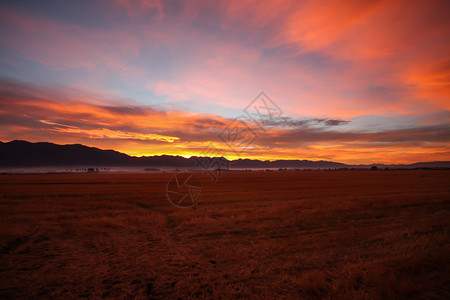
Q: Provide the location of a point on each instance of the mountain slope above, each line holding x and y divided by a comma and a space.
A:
25, 154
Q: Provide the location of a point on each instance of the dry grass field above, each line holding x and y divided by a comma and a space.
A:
311, 235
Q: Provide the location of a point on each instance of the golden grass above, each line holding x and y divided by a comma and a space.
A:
313, 235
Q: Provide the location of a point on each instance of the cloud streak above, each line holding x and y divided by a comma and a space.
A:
152, 77
35, 113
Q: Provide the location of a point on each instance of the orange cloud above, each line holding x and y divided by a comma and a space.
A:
352, 60
33, 114
300, 52
104, 133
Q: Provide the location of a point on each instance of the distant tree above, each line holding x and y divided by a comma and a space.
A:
374, 168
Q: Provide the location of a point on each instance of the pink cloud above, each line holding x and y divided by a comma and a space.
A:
332, 59
140, 8
67, 46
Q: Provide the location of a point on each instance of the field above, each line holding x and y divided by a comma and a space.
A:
309, 234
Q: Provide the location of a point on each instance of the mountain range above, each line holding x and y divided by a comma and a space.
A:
17, 154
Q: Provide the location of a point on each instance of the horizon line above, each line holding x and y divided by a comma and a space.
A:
231, 160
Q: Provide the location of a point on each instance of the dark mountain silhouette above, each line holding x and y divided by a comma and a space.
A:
26, 154
16, 154
254, 163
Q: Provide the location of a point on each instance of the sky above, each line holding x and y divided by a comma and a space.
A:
356, 82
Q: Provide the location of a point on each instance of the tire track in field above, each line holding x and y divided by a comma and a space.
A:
171, 224
179, 266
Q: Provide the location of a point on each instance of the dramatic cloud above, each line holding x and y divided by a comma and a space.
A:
35, 113
357, 81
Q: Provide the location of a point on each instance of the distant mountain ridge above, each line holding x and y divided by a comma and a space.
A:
16, 154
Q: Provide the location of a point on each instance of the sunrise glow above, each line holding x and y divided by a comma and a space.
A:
355, 81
